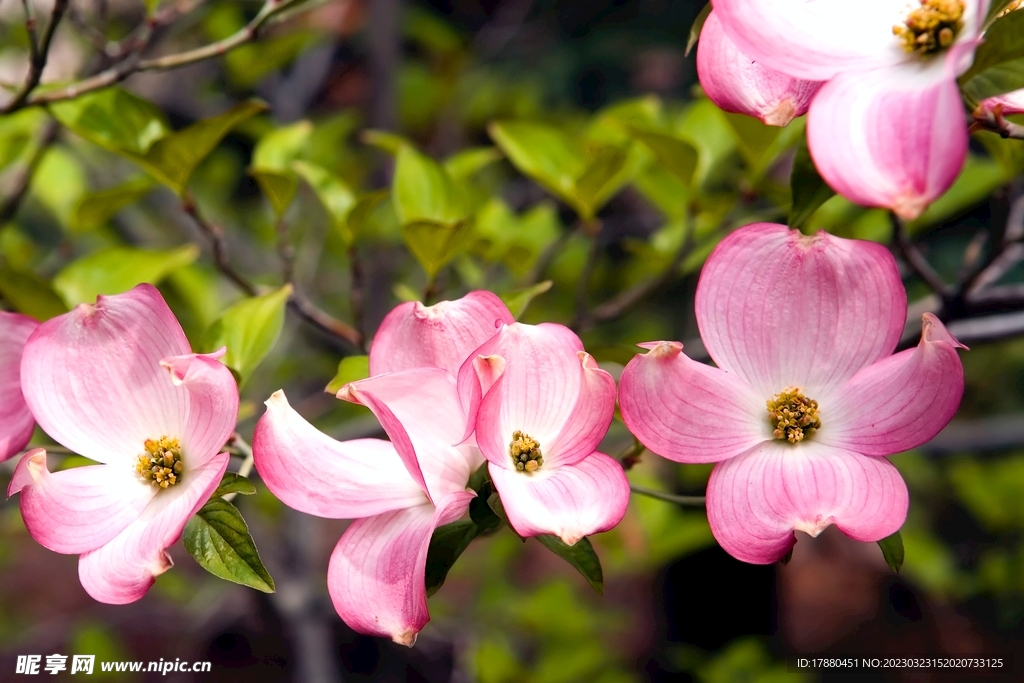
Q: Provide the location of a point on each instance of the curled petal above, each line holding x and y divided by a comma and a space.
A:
892, 138
376, 576
780, 309
571, 501
313, 473
123, 570
442, 336
77, 510
687, 411
476, 377
1010, 103
16, 422
93, 380
421, 412
740, 85
756, 501
900, 402
212, 401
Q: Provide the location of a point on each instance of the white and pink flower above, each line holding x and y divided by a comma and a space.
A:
806, 399
117, 382
16, 422
887, 128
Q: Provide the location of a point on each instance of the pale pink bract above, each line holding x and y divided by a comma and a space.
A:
102, 380
887, 128
16, 422
778, 310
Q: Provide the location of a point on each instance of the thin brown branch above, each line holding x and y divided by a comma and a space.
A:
992, 120
685, 501
10, 204
215, 234
39, 54
913, 257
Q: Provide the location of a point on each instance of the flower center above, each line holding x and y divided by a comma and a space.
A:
525, 452
794, 416
932, 27
161, 464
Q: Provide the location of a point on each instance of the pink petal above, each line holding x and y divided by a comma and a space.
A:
571, 501
1010, 103
550, 390
376, 574
123, 570
212, 401
757, 500
313, 473
815, 40
892, 138
77, 510
740, 85
687, 411
16, 422
780, 309
443, 335
421, 412
900, 402
93, 380
476, 377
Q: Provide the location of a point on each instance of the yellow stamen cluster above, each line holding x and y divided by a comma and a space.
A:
932, 27
161, 464
525, 452
794, 416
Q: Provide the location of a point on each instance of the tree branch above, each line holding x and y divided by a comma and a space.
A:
915, 259
39, 53
685, 501
994, 122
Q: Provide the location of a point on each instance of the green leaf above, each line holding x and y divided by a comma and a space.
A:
998, 66
892, 551
173, 158
581, 556
392, 143
219, 540
435, 244
18, 134
496, 506
601, 180
249, 329
234, 483
114, 119
97, 208
350, 369
809, 189
446, 545
59, 182
518, 300
698, 26
678, 156
469, 162
30, 295
542, 152
337, 197
117, 269
272, 163
361, 212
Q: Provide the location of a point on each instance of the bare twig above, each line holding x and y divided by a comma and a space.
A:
685, 501
39, 53
993, 121
215, 234
10, 204
915, 259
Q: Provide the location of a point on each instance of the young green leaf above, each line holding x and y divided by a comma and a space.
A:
696, 28
892, 551
543, 153
272, 163
114, 119
581, 556
337, 198
446, 545
392, 143
350, 369
219, 540
95, 209
518, 300
29, 294
678, 156
249, 329
809, 189
998, 66
469, 162
234, 483
117, 269
423, 191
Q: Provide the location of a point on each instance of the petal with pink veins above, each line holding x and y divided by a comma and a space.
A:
313, 473
780, 309
376, 576
16, 422
756, 501
212, 401
421, 413
740, 85
687, 411
123, 570
892, 138
443, 335
571, 501
80, 509
93, 380
900, 402
1010, 103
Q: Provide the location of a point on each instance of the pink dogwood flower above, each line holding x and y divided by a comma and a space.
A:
887, 128
1010, 103
397, 492
740, 85
117, 382
544, 407
807, 397
16, 422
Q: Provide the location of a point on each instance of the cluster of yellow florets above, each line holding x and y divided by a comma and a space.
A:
794, 416
161, 464
932, 27
525, 452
